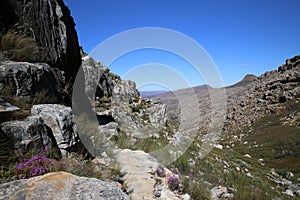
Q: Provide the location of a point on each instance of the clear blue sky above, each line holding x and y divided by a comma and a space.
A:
241, 36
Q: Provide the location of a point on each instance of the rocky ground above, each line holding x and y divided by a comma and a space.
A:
238, 142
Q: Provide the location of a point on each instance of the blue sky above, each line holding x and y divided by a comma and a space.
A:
241, 36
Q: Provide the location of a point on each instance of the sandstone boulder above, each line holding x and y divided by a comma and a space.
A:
61, 185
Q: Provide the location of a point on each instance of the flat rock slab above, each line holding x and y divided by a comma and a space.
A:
140, 168
60, 186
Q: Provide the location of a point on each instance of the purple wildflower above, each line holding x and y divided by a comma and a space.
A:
160, 172
20, 166
37, 165
173, 182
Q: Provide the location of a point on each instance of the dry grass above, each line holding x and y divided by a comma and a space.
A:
19, 47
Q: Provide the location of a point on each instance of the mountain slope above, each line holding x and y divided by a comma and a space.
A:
257, 155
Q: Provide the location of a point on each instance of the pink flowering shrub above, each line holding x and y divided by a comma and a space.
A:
173, 182
160, 172
40, 164
37, 165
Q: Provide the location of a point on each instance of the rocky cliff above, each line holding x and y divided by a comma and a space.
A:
117, 104
33, 121
49, 24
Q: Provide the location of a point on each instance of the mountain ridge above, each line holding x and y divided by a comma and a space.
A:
247, 79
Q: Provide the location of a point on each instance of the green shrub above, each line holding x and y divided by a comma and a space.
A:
198, 191
19, 47
7, 154
8, 157
122, 140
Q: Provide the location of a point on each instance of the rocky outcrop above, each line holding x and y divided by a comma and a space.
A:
136, 116
118, 106
39, 82
49, 23
99, 81
61, 185
125, 91
61, 121
120, 101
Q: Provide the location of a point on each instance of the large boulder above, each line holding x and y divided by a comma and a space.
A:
61, 185
30, 133
119, 101
49, 23
23, 79
50, 125
60, 120
220, 192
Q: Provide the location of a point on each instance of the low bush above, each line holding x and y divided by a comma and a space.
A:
19, 47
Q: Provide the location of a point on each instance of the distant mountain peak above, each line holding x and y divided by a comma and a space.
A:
249, 78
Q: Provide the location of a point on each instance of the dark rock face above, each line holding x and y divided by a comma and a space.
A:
7, 16
51, 26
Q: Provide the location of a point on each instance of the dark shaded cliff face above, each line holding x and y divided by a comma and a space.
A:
51, 26
7, 15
